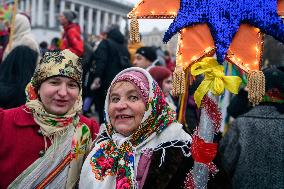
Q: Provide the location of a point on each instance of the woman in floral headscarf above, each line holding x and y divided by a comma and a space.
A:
141, 145
43, 143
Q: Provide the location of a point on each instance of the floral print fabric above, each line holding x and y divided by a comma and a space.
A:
111, 160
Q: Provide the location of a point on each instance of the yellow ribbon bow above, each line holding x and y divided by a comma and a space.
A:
214, 80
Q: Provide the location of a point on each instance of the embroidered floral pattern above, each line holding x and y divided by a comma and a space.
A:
104, 161
81, 143
109, 160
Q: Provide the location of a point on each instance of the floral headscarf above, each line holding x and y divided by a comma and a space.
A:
57, 128
111, 160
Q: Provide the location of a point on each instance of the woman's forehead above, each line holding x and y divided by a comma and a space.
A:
61, 78
122, 86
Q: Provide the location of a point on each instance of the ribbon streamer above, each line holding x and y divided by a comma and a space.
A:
215, 80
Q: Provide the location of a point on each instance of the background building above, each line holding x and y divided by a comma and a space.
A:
155, 38
93, 15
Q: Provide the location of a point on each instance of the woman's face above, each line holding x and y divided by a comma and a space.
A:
167, 85
58, 94
126, 108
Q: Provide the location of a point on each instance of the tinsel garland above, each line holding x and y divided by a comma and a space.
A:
213, 115
256, 87
134, 28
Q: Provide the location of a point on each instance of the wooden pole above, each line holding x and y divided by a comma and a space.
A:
12, 28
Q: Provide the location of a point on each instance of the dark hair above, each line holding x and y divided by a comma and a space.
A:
43, 45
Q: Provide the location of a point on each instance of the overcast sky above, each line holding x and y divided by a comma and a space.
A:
146, 25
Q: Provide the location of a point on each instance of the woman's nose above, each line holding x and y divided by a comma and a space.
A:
62, 91
122, 105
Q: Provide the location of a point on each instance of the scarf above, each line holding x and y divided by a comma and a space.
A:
69, 137
114, 159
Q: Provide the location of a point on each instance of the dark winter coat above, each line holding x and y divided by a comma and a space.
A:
172, 173
72, 40
15, 73
252, 151
107, 57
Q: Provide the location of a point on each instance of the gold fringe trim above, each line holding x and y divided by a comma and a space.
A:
256, 87
134, 28
178, 81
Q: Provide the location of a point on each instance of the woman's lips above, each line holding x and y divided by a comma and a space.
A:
123, 117
61, 102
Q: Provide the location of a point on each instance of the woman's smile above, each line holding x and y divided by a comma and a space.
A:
126, 108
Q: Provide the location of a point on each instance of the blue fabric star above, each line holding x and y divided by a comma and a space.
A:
224, 18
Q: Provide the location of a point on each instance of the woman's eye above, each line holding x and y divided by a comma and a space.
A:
133, 98
53, 82
114, 99
73, 85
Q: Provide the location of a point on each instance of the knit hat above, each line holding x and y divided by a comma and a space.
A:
159, 73
139, 80
70, 15
148, 52
274, 84
58, 63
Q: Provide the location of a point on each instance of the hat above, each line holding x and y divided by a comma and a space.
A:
58, 63
148, 52
159, 73
139, 80
70, 15
274, 85
274, 78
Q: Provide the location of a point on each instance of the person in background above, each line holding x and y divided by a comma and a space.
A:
43, 142
15, 73
163, 77
108, 62
71, 38
54, 44
43, 46
141, 144
146, 57
252, 149
170, 64
22, 35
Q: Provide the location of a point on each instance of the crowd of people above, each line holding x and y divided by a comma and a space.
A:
75, 114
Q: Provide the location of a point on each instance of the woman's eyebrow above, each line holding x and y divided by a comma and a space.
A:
128, 92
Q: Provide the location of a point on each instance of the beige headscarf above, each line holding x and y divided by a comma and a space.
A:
22, 35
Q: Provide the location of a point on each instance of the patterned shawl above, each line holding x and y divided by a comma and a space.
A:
114, 158
66, 132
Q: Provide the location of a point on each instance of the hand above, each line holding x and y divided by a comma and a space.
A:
96, 83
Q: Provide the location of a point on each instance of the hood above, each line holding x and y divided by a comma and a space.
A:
73, 26
116, 35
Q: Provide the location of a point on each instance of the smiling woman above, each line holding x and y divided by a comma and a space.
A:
44, 141
126, 108
139, 139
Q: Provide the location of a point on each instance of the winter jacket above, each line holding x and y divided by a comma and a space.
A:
21, 142
15, 73
107, 57
72, 40
252, 151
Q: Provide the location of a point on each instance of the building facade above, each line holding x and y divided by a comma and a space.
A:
155, 38
93, 15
